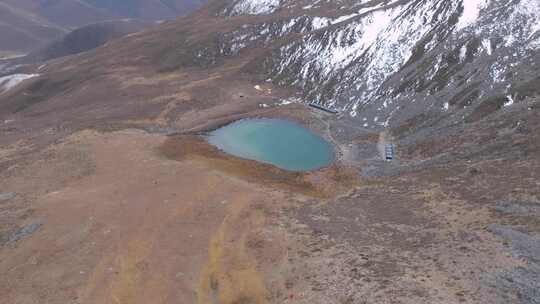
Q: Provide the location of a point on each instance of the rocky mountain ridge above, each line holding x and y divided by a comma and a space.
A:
385, 61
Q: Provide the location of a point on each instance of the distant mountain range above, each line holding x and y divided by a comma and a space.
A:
26, 25
80, 40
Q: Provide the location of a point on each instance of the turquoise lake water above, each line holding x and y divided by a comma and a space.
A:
282, 143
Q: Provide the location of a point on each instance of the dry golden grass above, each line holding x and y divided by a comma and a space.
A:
323, 183
230, 275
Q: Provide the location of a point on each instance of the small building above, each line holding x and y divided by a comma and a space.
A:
389, 151
323, 108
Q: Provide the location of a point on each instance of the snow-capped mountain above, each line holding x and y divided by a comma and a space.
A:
386, 61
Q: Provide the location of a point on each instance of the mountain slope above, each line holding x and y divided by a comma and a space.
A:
380, 63
21, 31
385, 59
147, 9
112, 193
84, 39
28, 24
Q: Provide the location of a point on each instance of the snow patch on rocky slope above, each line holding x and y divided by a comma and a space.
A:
471, 12
383, 58
255, 7
347, 65
11, 81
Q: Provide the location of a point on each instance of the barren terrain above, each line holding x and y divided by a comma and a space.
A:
108, 194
